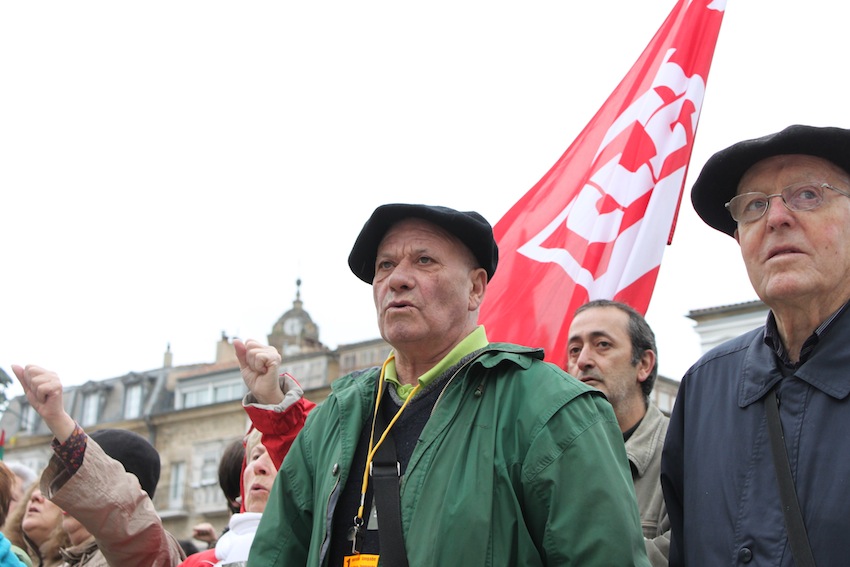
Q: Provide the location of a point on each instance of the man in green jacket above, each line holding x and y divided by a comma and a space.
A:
502, 459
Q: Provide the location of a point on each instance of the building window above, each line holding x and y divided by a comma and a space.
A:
222, 391
133, 401
209, 469
178, 482
194, 398
664, 401
28, 419
91, 409
227, 392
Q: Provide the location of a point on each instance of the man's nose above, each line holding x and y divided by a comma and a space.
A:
401, 276
777, 212
584, 359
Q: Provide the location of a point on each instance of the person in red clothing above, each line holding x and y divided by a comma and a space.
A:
277, 409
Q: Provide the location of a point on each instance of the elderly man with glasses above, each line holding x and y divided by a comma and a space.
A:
756, 466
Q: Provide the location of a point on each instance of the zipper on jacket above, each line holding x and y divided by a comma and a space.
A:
328, 523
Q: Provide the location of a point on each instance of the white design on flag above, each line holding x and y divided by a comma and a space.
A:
660, 120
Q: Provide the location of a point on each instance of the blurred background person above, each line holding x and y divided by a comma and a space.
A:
230, 474
10, 555
12, 526
41, 525
189, 547
24, 478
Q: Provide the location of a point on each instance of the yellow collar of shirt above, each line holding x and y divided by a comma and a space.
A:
476, 340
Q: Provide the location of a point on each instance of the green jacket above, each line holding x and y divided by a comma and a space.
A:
518, 465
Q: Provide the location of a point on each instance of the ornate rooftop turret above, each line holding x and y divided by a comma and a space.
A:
295, 332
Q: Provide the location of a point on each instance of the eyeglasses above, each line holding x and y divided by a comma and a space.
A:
803, 196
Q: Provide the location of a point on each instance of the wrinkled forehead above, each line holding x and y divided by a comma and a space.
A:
790, 168
412, 230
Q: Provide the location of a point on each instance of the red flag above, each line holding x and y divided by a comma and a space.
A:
596, 225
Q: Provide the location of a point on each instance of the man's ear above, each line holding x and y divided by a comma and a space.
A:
478, 285
645, 365
735, 235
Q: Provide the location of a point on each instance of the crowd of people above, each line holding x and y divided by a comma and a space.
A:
462, 451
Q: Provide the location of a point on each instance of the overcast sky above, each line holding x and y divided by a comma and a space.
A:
168, 169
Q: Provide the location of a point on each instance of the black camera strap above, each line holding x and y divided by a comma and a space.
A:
386, 473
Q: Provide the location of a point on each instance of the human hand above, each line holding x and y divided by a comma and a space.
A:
44, 393
259, 364
205, 532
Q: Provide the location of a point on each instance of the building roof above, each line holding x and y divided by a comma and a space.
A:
730, 309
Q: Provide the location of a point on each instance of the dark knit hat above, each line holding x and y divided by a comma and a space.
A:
718, 181
469, 227
134, 452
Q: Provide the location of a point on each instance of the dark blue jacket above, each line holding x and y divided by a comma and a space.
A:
717, 471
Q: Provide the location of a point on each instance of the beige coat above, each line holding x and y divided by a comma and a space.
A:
644, 452
108, 502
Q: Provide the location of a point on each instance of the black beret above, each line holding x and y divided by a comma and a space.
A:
718, 181
134, 452
469, 227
